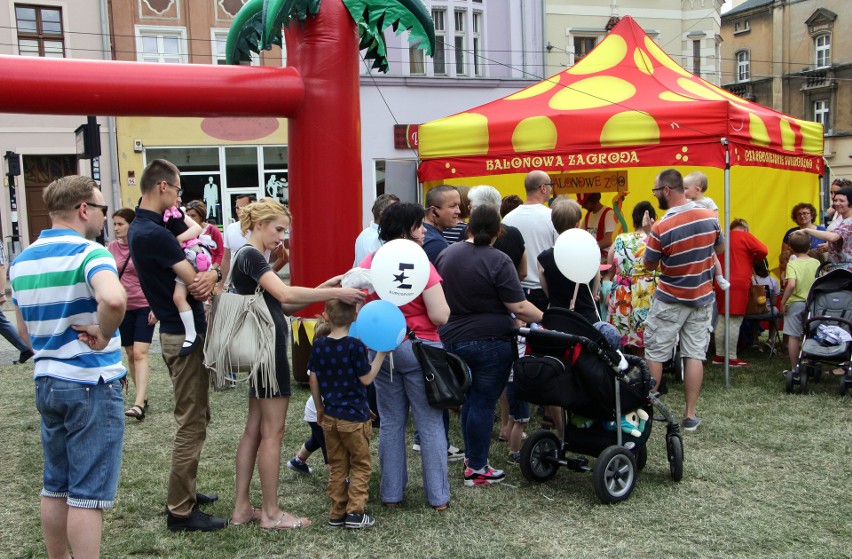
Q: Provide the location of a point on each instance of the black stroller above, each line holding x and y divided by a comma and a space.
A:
829, 304
572, 366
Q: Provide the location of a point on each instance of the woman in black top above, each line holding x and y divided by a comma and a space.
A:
565, 214
268, 222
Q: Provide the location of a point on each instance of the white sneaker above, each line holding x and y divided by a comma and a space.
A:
454, 454
415, 447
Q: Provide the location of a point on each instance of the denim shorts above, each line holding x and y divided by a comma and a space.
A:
519, 410
82, 433
135, 327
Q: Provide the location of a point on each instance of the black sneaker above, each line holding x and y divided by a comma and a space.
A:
356, 521
25, 356
337, 522
197, 521
202, 498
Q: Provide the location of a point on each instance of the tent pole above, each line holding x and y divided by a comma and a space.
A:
727, 257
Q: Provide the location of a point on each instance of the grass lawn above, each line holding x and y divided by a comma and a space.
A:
766, 475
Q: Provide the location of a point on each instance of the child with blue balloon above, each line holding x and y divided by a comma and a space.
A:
339, 374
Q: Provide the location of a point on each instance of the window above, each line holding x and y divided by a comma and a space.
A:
416, 60
743, 66
821, 112
460, 42
161, 44
40, 31
478, 68
822, 46
696, 57
439, 58
583, 46
220, 41
742, 26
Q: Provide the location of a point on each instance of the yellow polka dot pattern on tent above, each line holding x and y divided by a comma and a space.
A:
630, 128
533, 134
591, 93
608, 54
672, 96
536, 89
699, 90
643, 61
465, 133
663, 58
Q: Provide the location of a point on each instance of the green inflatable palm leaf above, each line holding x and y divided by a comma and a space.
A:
257, 25
374, 16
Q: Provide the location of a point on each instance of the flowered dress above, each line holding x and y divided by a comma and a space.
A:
633, 289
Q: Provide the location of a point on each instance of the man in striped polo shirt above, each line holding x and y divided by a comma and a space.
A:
682, 245
69, 304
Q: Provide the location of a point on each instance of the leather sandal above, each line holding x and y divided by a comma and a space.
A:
136, 411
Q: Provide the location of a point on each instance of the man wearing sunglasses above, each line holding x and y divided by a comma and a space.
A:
69, 303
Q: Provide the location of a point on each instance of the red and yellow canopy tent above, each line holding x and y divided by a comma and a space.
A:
617, 118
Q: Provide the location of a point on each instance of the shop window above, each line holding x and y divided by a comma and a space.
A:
40, 31
241, 170
275, 173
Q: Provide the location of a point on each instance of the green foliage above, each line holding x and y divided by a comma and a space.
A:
258, 25
374, 16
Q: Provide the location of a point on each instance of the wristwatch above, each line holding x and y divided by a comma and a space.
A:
218, 275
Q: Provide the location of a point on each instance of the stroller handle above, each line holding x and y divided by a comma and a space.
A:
551, 335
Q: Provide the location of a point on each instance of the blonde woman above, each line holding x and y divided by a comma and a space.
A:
260, 443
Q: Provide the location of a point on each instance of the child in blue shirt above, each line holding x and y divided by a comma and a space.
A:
339, 374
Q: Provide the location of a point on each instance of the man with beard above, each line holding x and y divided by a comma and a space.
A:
681, 244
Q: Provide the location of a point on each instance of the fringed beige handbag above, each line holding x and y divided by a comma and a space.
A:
241, 337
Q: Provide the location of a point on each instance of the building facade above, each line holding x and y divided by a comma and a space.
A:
45, 147
794, 56
219, 158
486, 49
688, 30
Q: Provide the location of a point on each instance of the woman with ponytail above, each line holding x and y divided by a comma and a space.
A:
484, 292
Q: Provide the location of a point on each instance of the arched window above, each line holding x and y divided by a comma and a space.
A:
822, 49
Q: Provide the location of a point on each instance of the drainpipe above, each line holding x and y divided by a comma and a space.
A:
113, 148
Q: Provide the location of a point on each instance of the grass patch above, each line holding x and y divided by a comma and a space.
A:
766, 474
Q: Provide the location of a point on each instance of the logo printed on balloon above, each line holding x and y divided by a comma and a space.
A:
400, 271
402, 277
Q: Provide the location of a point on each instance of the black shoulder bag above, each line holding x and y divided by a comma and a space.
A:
446, 375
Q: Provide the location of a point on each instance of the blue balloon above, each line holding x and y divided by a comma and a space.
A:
353, 330
381, 325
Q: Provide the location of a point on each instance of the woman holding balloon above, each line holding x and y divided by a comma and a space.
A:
484, 292
402, 274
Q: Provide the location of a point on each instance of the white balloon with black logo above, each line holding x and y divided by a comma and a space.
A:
399, 271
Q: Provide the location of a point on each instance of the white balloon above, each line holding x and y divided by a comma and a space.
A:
399, 271
577, 255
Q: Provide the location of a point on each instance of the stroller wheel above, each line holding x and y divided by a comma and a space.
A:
640, 452
844, 386
614, 474
788, 385
674, 449
540, 455
803, 381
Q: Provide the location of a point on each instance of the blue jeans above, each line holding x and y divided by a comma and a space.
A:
8, 331
489, 362
397, 391
82, 433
